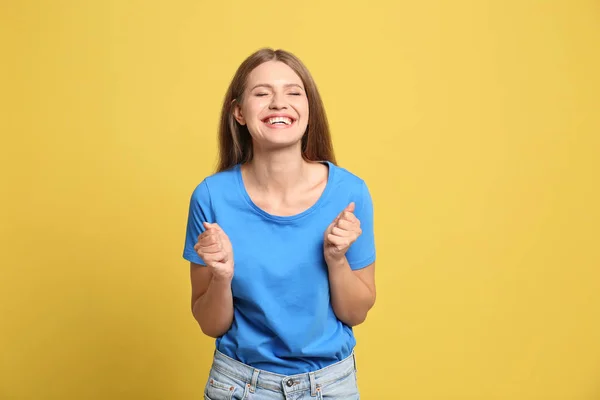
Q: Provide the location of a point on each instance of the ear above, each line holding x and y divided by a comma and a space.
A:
237, 113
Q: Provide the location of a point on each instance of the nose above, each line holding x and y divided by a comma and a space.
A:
277, 102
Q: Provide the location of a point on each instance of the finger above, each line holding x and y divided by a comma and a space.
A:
341, 232
214, 248
198, 248
329, 227
208, 239
213, 258
338, 241
337, 218
347, 225
351, 236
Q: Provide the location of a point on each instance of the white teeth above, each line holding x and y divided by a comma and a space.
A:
275, 120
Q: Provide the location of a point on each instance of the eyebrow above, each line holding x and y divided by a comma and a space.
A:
267, 85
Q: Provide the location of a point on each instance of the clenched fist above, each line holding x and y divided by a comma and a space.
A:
340, 234
215, 249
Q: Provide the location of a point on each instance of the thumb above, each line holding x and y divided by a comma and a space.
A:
208, 225
350, 207
216, 228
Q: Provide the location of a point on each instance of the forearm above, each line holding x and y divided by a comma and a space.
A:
214, 309
351, 298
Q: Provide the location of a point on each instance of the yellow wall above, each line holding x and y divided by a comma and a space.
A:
475, 123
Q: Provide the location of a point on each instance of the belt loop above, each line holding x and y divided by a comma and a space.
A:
354, 358
254, 380
313, 384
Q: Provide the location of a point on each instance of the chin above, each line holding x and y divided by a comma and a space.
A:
280, 143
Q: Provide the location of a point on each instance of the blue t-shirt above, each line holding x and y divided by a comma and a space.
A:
283, 318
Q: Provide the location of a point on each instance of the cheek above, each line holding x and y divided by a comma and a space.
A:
303, 109
252, 109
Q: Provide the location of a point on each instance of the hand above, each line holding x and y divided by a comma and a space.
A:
215, 249
340, 234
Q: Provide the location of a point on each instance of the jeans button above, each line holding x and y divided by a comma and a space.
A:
290, 382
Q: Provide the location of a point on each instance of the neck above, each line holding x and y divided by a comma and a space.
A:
277, 171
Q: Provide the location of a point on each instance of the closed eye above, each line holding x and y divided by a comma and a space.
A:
295, 94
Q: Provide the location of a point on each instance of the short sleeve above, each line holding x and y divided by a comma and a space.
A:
362, 252
200, 211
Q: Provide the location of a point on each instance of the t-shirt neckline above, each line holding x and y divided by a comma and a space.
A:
281, 218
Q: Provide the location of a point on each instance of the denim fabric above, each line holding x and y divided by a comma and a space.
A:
232, 380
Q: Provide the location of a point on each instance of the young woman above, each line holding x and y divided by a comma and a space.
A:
280, 242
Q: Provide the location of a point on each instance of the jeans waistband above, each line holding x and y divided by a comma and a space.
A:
254, 378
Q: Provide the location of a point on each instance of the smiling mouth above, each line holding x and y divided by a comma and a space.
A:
279, 121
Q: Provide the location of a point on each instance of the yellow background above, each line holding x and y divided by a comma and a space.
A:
475, 123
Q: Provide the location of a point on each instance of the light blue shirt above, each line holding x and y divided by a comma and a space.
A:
283, 318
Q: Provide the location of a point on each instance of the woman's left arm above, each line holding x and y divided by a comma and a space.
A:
349, 250
352, 292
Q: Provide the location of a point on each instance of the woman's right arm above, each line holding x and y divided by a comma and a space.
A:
212, 301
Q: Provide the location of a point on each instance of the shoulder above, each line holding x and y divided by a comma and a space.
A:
215, 183
351, 187
346, 179
218, 180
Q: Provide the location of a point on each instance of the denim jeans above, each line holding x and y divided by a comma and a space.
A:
232, 380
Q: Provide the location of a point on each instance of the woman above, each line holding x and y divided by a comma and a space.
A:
280, 242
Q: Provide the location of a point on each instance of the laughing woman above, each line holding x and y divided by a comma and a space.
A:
280, 243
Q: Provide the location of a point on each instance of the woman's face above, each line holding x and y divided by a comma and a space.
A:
274, 106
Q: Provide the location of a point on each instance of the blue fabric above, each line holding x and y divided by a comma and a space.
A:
283, 319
